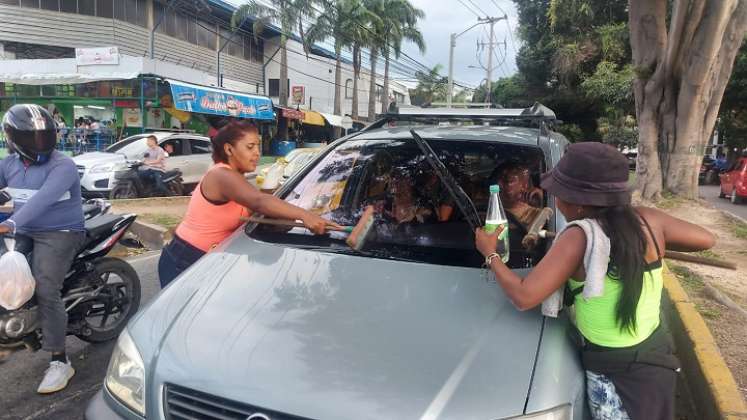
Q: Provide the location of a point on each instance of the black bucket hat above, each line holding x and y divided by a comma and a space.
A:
590, 174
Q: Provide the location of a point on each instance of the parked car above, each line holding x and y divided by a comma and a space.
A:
192, 154
734, 181
282, 324
271, 178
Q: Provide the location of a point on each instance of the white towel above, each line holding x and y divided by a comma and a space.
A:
596, 260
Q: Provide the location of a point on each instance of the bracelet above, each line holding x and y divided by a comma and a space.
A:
489, 258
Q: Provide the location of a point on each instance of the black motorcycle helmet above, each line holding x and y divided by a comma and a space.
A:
30, 131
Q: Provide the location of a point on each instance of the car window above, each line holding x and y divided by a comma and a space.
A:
129, 146
417, 219
173, 146
199, 147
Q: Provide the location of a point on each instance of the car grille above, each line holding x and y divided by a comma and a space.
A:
186, 404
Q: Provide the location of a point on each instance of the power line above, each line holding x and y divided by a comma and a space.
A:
478, 8
508, 24
418, 65
272, 58
468, 8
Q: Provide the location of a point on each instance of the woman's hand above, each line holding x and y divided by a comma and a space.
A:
487, 243
318, 225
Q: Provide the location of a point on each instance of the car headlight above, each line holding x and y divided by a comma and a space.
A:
102, 168
125, 377
558, 413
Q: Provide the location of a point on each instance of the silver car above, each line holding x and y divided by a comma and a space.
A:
286, 325
190, 153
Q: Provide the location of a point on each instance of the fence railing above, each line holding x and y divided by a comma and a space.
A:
78, 140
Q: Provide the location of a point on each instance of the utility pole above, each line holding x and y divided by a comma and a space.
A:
450, 92
452, 45
491, 47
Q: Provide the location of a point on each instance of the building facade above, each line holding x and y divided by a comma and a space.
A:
315, 74
188, 37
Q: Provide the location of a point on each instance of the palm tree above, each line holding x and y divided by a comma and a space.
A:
286, 13
375, 43
341, 21
360, 35
400, 19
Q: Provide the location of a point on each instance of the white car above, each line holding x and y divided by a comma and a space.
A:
190, 153
273, 177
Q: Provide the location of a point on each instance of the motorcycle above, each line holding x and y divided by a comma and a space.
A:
130, 184
100, 293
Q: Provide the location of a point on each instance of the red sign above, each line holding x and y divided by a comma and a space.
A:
298, 95
126, 104
293, 114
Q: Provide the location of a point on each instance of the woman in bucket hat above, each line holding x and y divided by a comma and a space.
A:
630, 369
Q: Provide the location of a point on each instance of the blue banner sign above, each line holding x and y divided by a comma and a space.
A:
208, 100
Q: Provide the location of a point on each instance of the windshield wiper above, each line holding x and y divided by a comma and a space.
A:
466, 206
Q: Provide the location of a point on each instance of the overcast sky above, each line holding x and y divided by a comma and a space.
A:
450, 16
444, 17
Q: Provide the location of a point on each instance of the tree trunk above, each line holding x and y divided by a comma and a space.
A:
283, 90
356, 75
681, 74
338, 81
385, 93
372, 87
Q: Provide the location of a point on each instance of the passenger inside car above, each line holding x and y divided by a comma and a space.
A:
417, 218
519, 196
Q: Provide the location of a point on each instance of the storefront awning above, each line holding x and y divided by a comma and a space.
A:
313, 118
214, 101
338, 121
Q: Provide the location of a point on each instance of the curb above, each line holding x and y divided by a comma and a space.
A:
706, 371
152, 236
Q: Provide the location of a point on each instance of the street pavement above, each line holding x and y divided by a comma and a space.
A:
710, 194
21, 372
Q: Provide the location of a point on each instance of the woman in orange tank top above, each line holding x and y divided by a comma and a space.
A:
222, 197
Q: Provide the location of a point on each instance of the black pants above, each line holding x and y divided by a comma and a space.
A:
176, 257
157, 177
53, 253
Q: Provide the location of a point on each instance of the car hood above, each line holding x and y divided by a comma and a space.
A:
97, 158
330, 336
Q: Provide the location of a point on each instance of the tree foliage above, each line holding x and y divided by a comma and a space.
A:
431, 87
572, 49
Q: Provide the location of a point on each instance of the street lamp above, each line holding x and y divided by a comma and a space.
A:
452, 44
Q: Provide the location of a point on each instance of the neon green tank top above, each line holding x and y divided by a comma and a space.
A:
596, 317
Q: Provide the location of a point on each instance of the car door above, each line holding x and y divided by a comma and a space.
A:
727, 178
174, 147
199, 158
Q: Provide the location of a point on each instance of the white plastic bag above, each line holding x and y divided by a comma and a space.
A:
17, 284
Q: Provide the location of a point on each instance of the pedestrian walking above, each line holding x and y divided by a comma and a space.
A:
615, 284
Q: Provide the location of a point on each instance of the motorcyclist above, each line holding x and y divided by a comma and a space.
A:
154, 165
47, 209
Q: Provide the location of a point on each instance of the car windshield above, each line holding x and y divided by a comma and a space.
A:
416, 218
129, 146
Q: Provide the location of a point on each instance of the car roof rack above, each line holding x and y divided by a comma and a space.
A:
536, 113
